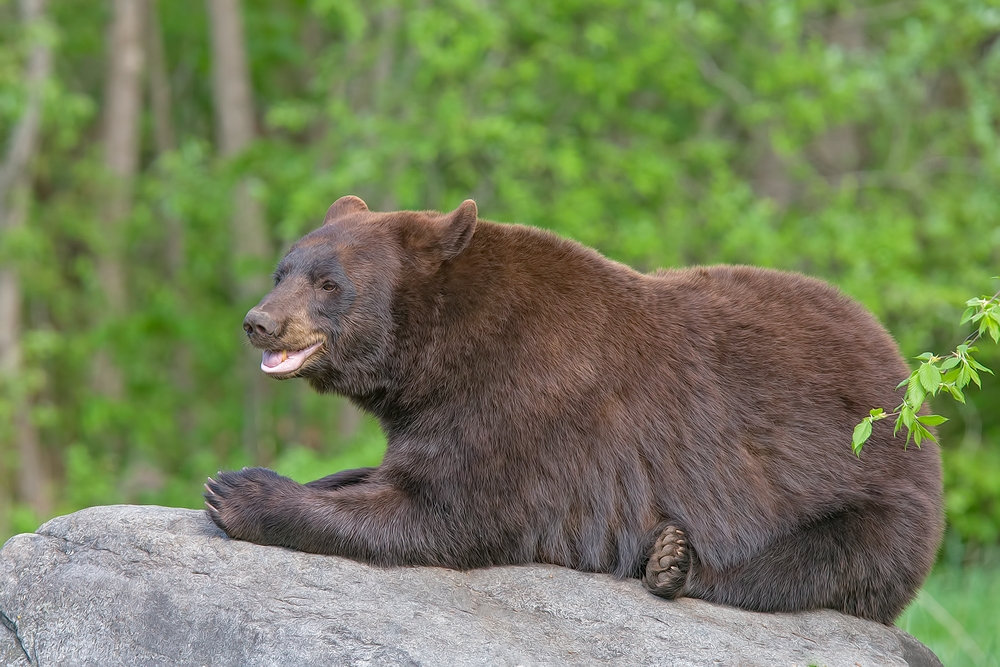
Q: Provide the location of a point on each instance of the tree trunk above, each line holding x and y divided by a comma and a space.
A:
120, 136
159, 83
33, 486
165, 139
770, 176
234, 131
839, 151
234, 116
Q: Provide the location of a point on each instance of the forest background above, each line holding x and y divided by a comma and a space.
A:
158, 157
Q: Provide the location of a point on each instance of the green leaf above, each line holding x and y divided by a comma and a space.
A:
975, 364
930, 377
967, 315
956, 393
963, 376
975, 376
920, 434
908, 416
926, 356
949, 363
915, 392
932, 420
994, 328
862, 432
877, 413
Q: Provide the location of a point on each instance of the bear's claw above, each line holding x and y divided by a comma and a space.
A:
238, 502
669, 564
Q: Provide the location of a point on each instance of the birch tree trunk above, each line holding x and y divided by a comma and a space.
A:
120, 137
33, 486
234, 117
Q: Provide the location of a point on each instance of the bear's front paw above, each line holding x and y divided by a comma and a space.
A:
244, 503
669, 564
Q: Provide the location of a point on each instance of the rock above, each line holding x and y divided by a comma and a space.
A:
132, 585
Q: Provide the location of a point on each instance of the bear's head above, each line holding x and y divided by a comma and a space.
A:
346, 293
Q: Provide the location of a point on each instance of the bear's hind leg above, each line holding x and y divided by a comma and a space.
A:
867, 563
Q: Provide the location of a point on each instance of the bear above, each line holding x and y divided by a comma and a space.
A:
544, 404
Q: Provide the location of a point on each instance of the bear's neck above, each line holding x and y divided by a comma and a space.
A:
502, 315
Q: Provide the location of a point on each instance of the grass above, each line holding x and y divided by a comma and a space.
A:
957, 614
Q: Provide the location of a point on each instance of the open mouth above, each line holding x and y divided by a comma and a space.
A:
285, 361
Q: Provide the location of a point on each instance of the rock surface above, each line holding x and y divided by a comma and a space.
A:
133, 585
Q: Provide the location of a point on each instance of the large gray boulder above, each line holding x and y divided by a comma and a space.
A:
132, 585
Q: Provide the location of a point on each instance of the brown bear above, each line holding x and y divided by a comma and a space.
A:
545, 404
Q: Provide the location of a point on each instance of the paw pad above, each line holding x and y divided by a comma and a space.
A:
669, 564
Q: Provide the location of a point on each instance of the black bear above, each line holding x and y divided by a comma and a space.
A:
545, 404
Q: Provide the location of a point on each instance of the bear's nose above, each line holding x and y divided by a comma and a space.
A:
259, 322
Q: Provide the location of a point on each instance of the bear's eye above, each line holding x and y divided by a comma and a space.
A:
329, 287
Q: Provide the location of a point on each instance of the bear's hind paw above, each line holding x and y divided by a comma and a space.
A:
669, 564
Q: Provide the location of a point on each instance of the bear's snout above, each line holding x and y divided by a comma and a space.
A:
260, 322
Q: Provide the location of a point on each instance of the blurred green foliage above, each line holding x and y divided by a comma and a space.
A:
856, 141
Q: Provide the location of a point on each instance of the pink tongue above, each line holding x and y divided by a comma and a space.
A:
271, 359
272, 362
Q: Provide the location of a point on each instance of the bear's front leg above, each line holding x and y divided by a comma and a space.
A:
342, 478
368, 520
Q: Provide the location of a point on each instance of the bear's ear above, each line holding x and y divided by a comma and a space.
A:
343, 206
458, 227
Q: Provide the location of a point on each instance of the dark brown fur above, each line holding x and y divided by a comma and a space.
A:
545, 404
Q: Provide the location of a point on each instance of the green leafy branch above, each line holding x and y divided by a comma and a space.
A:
951, 373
